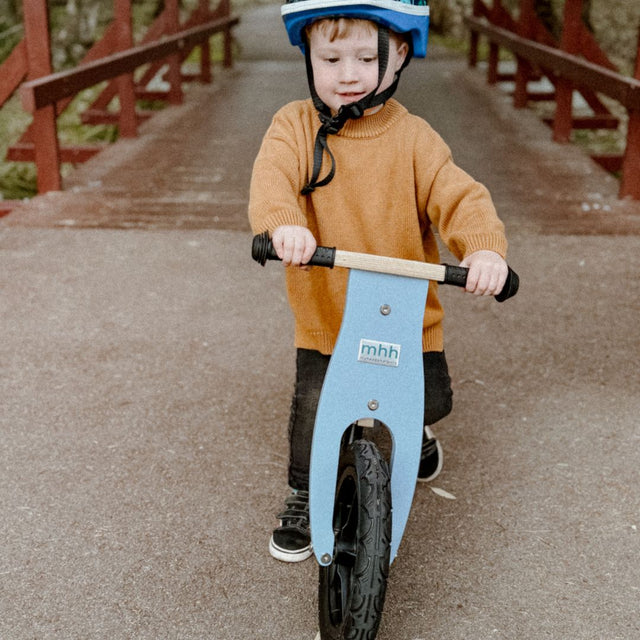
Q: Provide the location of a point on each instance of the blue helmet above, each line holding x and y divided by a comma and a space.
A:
402, 16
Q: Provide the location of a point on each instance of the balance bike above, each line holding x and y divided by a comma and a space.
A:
374, 382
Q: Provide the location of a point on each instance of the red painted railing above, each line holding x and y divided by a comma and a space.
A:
114, 58
574, 63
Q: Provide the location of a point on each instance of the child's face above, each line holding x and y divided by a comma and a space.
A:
345, 69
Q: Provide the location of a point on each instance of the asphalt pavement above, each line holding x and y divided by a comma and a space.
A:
147, 367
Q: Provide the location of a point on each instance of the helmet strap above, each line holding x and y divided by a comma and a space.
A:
332, 124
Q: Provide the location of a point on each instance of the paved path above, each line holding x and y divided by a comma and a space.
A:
146, 373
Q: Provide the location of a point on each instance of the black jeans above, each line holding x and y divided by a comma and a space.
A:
311, 367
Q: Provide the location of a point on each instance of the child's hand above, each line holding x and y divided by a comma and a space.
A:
294, 245
487, 273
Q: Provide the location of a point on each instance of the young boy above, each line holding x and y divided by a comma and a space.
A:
352, 168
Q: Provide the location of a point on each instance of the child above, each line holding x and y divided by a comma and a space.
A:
352, 168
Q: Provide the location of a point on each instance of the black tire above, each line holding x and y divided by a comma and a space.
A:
352, 588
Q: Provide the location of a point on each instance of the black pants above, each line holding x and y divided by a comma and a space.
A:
311, 367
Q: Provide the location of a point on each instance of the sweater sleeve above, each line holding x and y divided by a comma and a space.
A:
274, 196
460, 207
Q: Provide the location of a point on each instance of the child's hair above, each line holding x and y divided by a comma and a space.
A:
338, 28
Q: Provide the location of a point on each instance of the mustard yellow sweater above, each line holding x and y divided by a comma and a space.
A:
395, 181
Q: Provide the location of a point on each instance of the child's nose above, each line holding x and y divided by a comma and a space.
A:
348, 71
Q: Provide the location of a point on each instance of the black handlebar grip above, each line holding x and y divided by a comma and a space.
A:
457, 276
262, 250
511, 286
323, 257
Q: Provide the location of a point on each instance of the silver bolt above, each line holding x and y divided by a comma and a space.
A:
325, 558
385, 309
373, 405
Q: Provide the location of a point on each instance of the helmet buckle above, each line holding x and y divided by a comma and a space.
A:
331, 128
354, 110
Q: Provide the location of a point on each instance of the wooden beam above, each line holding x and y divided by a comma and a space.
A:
47, 90
43, 127
7, 206
102, 116
611, 162
600, 121
584, 73
26, 152
12, 71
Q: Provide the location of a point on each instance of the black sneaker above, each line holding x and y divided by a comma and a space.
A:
430, 458
291, 541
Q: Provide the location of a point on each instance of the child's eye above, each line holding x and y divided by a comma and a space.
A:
368, 59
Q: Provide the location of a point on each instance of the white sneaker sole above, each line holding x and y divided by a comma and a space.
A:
285, 555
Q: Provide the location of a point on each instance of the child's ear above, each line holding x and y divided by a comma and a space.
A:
403, 52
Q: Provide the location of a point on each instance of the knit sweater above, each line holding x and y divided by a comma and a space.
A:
395, 183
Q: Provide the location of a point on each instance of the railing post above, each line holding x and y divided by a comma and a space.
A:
12, 71
630, 182
205, 48
174, 75
494, 49
492, 66
127, 122
526, 22
474, 38
227, 60
569, 42
44, 129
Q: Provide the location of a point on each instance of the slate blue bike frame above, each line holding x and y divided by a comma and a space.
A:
376, 373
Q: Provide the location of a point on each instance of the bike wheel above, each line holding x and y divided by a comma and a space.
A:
352, 588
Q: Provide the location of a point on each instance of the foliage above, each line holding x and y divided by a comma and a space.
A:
17, 179
10, 27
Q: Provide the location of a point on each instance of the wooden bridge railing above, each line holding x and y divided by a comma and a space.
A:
577, 63
113, 58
